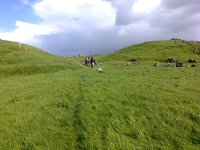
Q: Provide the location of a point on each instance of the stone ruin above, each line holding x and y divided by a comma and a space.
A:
156, 65
169, 65
191, 60
179, 64
169, 60
133, 59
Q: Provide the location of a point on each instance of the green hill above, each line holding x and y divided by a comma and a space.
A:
62, 104
18, 58
156, 51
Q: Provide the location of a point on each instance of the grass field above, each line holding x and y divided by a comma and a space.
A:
135, 106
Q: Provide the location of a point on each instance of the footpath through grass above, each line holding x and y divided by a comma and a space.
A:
130, 107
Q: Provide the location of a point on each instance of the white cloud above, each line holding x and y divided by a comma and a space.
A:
26, 32
86, 13
96, 26
145, 6
63, 16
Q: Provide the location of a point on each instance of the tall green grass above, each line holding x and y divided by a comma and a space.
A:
126, 107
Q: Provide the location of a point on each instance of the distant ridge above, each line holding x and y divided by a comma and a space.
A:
155, 50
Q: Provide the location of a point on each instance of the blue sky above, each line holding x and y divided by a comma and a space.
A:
13, 10
69, 27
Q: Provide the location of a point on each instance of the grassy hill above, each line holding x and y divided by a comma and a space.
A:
149, 52
128, 106
18, 58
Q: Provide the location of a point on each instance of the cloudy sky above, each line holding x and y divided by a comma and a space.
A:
69, 27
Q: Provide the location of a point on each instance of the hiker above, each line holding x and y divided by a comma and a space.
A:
86, 60
92, 61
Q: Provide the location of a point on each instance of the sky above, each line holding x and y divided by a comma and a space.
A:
88, 27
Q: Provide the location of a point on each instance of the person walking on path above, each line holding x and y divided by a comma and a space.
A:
86, 60
92, 62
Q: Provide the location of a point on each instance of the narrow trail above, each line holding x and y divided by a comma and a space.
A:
104, 136
81, 142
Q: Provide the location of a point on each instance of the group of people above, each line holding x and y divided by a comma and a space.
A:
90, 60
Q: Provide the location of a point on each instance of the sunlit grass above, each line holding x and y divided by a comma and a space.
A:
126, 107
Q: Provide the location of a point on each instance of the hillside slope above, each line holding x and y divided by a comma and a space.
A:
18, 58
125, 107
157, 50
